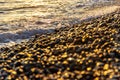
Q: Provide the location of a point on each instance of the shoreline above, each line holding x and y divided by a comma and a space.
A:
29, 32
86, 51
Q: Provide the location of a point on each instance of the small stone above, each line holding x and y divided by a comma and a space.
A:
57, 41
33, 69
112, 54
99, 64
78, 50
70, 59
39, 22
13, 72
79, 76
89, 68
9, 77
65, 62
53, 69
106, 66
64, 55
97, 78
66, 75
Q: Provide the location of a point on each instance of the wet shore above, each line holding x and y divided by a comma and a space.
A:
86, 51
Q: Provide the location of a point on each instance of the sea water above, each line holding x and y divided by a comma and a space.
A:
21, 19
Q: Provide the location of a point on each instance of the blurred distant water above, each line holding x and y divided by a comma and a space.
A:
20, 19
16, 9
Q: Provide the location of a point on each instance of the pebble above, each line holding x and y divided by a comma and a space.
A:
106, 66
86, 51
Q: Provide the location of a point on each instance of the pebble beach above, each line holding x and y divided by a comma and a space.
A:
88, 49
20, 19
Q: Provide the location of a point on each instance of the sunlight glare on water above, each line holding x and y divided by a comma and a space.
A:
16, 9
12, 9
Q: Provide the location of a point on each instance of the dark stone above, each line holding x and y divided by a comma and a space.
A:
110, 20
78, 50
18, 64
53, 69
18, 56
70, 40
22, 48
77, 41
11, 55
35, 57
39, 22
57, 52
57, 41
27, 67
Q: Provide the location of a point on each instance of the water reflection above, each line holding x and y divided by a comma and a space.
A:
16, 9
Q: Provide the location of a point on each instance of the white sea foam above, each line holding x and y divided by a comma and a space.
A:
19, 20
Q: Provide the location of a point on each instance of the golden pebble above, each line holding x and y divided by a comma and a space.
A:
79, 76
98, 63
5, 69
83, 58
116, 70
80, 56
97, 73
60, 79
29, 55
21, 70
89, 68
37, 76
66, 74
9, 77
78, 60
90, 61
25, 78
109, 59
111, 39
111, 76
58, 62
33, 69
64, 55
100, 55
77, 72
47, 50
68, 68
82, 72
53, 62
65, 62
106, 66
81, 62
8, 60
83, 39
97, 78
17, 79
116, 60
58, 72
50, 59
25, 62
70, 59
96, 50
34, 51
82, 52
105, 73
21, 53
113, 31
13, 72
37, 52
